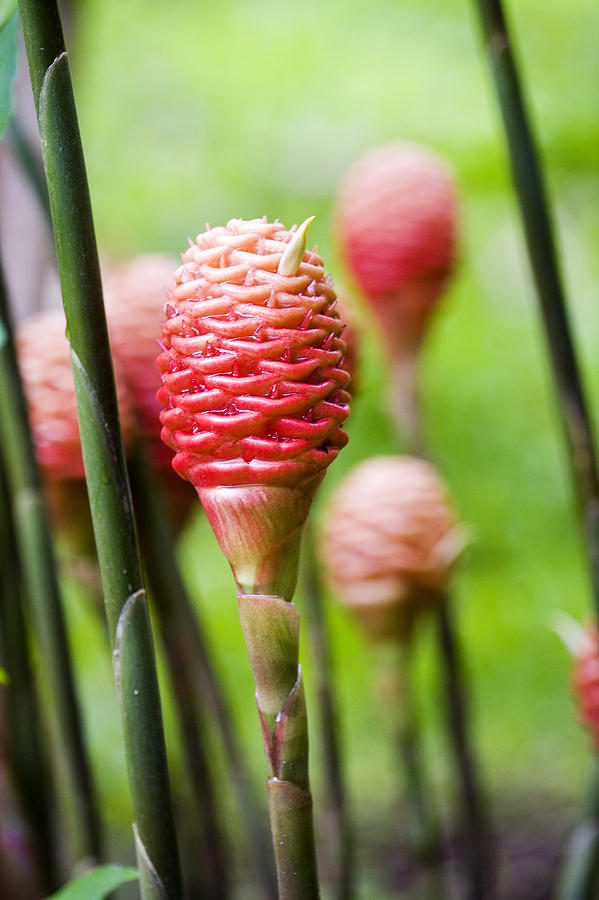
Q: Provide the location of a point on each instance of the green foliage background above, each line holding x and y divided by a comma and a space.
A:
195, 112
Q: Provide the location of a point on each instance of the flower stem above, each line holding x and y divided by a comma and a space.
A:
108, 487
271, 630
25, 745
477, 845
395, 682
183, 642
408, 418
39, 573
528, 179
339, 829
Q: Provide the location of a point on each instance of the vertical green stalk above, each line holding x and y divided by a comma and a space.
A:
408, 417
339, 829
108, 486
25, 744
530, 188
271, 630
40, 578
395, 681
208, 867
581, 866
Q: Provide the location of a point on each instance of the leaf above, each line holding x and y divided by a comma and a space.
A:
96, 884
4, 676
9, 24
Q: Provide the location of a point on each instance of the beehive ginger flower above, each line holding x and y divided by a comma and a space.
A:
254, 386
397, 225
389, 542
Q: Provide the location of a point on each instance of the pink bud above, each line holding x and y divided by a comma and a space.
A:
390, 541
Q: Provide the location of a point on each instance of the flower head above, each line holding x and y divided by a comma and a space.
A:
253, 382
390, 541
254, 390
397, 227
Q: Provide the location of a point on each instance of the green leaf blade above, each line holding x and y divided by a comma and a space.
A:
97, 883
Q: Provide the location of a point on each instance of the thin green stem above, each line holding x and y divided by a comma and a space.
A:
422, 829
108, 486
271, 630
31, 165
208, 867
530, 188
40, 578
339, 830
477, 843
477, 852
528, 180
25, 743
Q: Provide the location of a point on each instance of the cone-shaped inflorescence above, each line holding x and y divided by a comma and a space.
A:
389, 543
396, 224
254, 390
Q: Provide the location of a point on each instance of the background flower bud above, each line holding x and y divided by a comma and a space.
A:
389, 542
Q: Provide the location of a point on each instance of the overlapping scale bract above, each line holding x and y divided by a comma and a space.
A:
252, 363
390, 535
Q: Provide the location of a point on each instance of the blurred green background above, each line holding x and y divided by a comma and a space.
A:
200, 112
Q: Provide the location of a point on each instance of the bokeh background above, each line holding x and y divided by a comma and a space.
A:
200, 112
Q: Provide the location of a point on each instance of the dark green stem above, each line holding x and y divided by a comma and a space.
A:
31, 165
477, 852
477, 834
397, 695
108, 486
580, 871
40, 578
178, 630
528, 180
339, 830
271, 630
25, 742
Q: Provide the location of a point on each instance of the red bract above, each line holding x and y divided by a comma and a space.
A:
586, 681
390, 541
252, 374
397, 227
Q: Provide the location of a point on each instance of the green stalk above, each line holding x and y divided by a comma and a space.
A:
271, 630
407, 412
339, 830
108, 486
177, 631
39, 573
25, 743
398, 702
198, 684
528, 179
